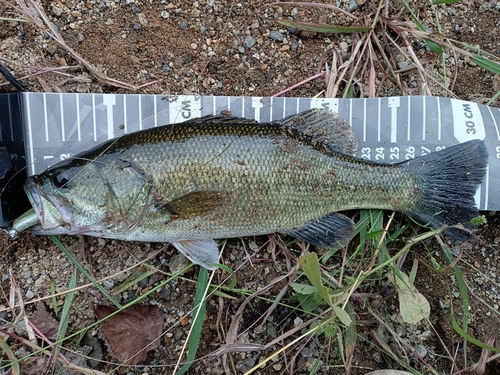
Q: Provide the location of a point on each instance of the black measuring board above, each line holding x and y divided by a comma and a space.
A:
40, 129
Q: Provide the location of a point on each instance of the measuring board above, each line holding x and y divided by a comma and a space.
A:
40, 129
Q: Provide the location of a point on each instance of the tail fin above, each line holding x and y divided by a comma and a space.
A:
448, 181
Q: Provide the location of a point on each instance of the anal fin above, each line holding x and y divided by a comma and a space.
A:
332, 231
202, 252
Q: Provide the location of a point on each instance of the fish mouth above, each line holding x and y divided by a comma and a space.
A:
52, 211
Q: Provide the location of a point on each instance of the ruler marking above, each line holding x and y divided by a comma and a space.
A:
424, 120
78, 123
243, 107
364, 120
45, 117
10, 120
93, 118
486, 187
271, 109
439, 118
1, 127
214, 105
155, 111
30, 138
257, 105
140, 111
61, 109
394, 103
284, 107
228, 103
350, 112
125, 117
409, 119
109, 100
494, 122
378, 118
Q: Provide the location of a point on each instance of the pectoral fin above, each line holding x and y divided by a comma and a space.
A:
193, 204
203, 253
332, 231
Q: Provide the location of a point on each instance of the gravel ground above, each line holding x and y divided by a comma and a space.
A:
234, 48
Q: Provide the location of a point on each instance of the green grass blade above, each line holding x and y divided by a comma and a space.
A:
54, 298
464, 293
197, 315
438, 2
323, 28
469, 338
65, 315
13, 361
434, 47
73, 260
486, 63
135, 278
310, 266
7, 19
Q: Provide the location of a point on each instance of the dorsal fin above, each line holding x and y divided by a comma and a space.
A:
221, 119
321, 126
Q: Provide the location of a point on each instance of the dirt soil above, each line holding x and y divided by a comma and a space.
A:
185, 47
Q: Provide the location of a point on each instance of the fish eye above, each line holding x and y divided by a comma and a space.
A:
61, 179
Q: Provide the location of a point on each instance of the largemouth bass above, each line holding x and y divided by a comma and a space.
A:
218, 177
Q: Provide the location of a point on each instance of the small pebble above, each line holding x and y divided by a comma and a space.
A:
297, 321
353, 5
188, 57
203, 30
249, 41
183, 24
30, 294
276, 35
403, 64
142, 19
108, 284
421, 351
137, 26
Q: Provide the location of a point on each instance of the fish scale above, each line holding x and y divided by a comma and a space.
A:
220, 177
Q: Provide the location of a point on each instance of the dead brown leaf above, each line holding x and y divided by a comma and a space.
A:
45, 322
131, 333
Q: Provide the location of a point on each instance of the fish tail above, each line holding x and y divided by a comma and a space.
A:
446, 185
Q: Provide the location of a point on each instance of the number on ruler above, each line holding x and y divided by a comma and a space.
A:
410, 152
425, 151
394, 153
380, 153
365, 153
